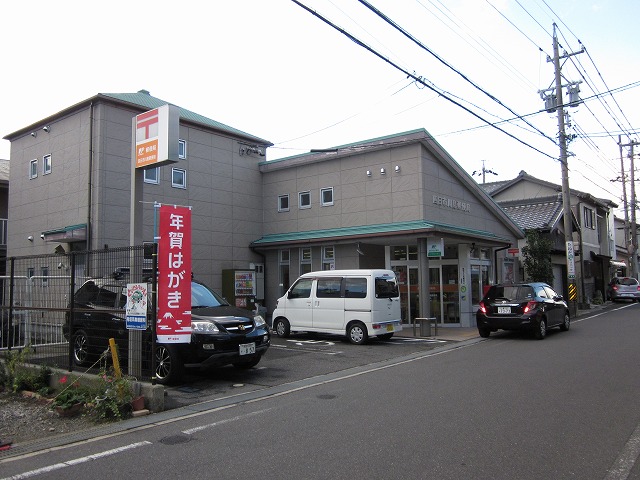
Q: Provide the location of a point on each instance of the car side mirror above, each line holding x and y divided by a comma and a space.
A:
558, 298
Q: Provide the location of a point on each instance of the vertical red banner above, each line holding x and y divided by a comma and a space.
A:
174, 275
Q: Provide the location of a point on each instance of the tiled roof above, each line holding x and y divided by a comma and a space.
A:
144, 99
493, 186
542, 214
417, 226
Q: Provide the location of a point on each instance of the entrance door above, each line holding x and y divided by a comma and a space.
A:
450, 295
435, 294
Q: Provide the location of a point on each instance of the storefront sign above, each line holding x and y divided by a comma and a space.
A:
174, 275
451, 203
157, 133
435, 247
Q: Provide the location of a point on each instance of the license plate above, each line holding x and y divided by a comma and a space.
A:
390, 327
247, 348
504, 309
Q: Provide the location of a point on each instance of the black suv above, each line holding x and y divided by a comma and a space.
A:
221, 334
524, 306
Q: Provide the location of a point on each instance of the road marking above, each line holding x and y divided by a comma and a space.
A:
621, 468
297, 349
222, 422
77, 461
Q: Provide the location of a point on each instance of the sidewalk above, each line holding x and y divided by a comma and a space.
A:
458, 334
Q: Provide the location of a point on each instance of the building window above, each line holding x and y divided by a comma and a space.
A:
44, 272
304, 199
588, 218
326, 196
31, 272
305, 260
178, 178
152, 175
46, 164
182, 149
328, 258
283, 203
33, 168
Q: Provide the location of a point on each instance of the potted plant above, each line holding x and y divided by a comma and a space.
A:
71, 399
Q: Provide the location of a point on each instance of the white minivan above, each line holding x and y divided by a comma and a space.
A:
356, 303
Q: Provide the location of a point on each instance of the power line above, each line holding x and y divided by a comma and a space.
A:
414, 77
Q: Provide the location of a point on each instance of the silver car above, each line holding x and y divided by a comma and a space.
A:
621, 288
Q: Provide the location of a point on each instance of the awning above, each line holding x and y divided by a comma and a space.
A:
615, 263
72, 233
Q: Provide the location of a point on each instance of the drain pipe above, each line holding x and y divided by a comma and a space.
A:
495, 261
90, 175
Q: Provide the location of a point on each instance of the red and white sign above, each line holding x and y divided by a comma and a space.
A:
157, 133
174, 275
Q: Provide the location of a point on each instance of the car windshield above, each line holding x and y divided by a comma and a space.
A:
202, 297
511, 292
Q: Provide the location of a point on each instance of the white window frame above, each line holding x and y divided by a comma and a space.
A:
182, 146
328, 258
154, 181
322, 192
46, 164
280, 207
300, 196
184, 176
33, 168
305, 258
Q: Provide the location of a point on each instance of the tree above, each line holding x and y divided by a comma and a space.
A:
537, 257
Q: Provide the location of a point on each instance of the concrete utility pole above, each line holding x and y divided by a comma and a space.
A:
624, 200
566, 193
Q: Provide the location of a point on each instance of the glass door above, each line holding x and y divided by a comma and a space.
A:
450, 294
435, 294
403, 287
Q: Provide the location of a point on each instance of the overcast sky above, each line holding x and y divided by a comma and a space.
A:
274, 70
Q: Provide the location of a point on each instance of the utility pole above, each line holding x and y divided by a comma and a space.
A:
624, 201
631, 237
566, 193
483, 171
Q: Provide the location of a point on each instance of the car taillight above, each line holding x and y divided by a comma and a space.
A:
615, 287
530, 306
483, 308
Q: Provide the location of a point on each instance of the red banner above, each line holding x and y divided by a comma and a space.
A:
174, 275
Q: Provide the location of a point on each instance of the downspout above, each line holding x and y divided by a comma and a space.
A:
495, 261
90, 176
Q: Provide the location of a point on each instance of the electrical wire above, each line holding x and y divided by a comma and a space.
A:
416, 78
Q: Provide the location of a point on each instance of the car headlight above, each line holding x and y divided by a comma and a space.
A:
200, 326
259, 321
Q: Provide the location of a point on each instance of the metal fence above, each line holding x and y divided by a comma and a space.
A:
66, 307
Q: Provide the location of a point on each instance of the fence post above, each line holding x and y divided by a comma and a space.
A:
72, 307
11, 286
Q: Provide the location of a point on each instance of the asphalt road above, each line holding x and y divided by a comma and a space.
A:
507, 407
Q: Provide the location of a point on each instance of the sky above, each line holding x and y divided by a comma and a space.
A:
469, 72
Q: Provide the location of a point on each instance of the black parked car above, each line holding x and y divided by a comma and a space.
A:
221, 334
524, 306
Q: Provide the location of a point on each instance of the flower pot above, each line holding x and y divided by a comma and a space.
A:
71, 411
137, 403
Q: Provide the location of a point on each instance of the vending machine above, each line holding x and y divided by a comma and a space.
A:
239, 287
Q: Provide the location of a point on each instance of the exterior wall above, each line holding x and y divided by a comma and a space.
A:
524, 190
50, 201
438, 181
358, 199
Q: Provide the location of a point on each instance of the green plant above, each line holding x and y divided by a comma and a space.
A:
115, 393
33, 380
13, 367
537, 257
72, 394
597, 299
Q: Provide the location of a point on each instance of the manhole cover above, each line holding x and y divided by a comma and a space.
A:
175, 439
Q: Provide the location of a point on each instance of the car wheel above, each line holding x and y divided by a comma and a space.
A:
484, 332
540, 330
169, 367
386, 336
566, 323
248, 363
81, 348
357, 333
282, 327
